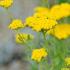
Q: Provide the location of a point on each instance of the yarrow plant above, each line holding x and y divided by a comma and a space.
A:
50, 51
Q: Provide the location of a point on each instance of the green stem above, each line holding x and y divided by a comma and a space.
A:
34, 65
28, 47
38, 66
44, 36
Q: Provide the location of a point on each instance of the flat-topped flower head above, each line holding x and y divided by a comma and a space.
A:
38, 54
16, 24
60, 31
6, 3
60, 11
39, 23
65, 9
46, 18
56, 12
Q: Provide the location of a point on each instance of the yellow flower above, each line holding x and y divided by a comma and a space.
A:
39, 23
67, 60
49, 23
22, 37
55, 12
45, 18
16, 24
65, 9
60, 11
65, 69
34, 23
38, 54
29, 21
61, 31
6, 3
41, 12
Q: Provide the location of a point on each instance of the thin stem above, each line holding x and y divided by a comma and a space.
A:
38, 67
30, 48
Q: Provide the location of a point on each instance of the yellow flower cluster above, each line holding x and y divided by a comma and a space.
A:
67, 60
38, 54
16, 24
60, 11
61, 31
45, 19
38, 23
6, 3
22, 37
56, 12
